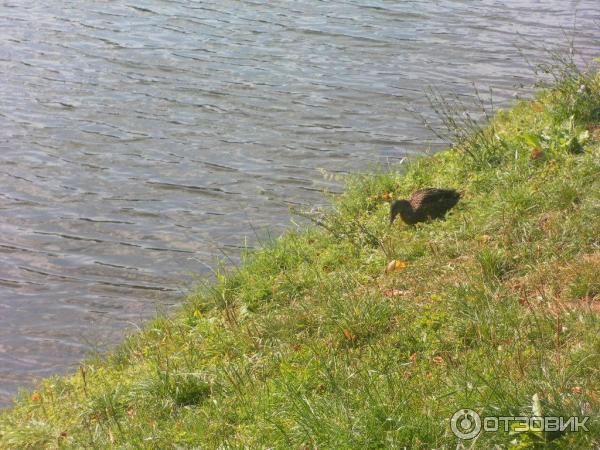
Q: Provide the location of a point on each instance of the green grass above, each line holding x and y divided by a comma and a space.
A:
309, 343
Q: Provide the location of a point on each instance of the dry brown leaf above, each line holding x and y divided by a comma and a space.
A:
537, 107
537, 153
394, 292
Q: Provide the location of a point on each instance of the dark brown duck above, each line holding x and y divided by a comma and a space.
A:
424, 205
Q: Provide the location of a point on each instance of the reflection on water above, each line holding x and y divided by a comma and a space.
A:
135, 142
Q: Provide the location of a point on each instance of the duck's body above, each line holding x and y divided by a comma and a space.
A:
424, 205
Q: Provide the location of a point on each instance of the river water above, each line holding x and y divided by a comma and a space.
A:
142, 141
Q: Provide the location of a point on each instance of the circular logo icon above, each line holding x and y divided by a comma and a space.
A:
465, 424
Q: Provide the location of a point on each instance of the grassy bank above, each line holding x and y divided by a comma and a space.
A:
311, 343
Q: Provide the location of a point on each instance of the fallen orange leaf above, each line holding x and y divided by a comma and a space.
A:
348, 335
395, 266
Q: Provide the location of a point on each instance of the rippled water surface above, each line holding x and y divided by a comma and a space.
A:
140, 141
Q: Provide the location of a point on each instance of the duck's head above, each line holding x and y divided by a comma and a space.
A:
401, 207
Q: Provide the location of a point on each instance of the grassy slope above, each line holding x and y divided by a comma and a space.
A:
310, 344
